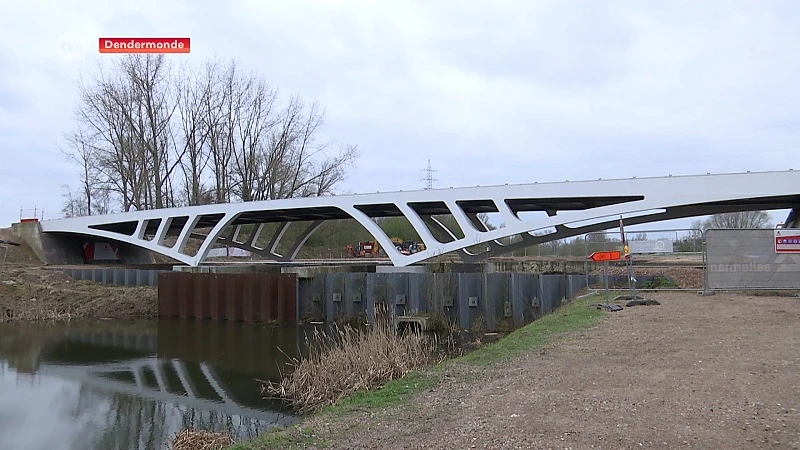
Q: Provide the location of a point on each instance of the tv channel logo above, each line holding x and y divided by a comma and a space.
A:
74, 46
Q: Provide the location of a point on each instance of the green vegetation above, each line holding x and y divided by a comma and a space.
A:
573, 316
390, 394
660, 282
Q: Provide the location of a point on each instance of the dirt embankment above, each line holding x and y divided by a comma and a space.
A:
36, 293
695, 372
17, 255
29, 291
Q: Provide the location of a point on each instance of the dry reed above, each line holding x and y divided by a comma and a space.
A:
201, 440
346, 361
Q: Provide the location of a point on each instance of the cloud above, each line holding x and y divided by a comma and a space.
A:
11, 100
492, 92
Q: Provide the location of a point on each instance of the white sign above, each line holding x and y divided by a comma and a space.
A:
657, 246
787, 240
227, 251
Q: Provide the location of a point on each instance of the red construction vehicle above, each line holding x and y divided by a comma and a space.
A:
366, 249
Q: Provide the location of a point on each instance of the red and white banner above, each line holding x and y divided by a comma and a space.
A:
144, 45
100, 251
787, 240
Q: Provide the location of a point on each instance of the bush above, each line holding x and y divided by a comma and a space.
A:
346, 360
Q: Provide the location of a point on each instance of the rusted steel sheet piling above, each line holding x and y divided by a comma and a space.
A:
249, 297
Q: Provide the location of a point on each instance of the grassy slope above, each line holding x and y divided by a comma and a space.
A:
575, 315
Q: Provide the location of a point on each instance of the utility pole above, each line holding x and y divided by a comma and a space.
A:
429, 171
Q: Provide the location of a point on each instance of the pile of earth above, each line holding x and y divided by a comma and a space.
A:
16, 254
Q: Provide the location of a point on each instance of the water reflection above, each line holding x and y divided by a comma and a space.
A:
134, 385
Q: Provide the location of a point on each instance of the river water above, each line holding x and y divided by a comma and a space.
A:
135, 384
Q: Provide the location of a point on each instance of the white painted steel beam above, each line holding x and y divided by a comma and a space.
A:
571, 208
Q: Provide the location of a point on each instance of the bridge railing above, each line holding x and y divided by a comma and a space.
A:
37, 214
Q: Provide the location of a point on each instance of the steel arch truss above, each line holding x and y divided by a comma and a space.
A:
534, 213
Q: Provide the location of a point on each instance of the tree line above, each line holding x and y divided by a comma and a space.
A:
152, 134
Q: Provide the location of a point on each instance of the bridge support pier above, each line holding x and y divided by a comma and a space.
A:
66, 249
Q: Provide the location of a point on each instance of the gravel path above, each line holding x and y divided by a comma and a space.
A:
717, 372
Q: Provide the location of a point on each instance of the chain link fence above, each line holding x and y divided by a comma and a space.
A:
670, 259
742, 259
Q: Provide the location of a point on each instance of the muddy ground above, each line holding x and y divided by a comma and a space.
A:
718, 372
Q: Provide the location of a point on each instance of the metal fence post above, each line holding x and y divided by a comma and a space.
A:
586, 261
705, 260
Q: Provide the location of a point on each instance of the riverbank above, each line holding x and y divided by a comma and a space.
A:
31, 292
400, 399
697, 371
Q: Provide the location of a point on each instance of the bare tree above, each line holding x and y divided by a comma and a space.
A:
148, 108
221, 122
299, 165
487, 221
743, 219
288, 150
125, 116
74, 204
102, 128
698, 226
84, 156
194, 93
331, 170
158, 137
253, 104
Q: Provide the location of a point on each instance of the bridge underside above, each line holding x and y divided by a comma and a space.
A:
535, 213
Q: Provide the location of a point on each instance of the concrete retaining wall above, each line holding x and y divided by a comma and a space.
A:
116, 277
491, 301
484, 301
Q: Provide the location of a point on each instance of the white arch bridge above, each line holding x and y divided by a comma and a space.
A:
557, 209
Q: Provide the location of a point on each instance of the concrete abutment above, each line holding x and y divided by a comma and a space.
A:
68, 249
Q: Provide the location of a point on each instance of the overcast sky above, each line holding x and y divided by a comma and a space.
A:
491, 92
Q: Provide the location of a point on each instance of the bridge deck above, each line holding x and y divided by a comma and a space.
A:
529, 211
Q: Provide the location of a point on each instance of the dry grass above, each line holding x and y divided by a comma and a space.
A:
347, 361
201, 440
